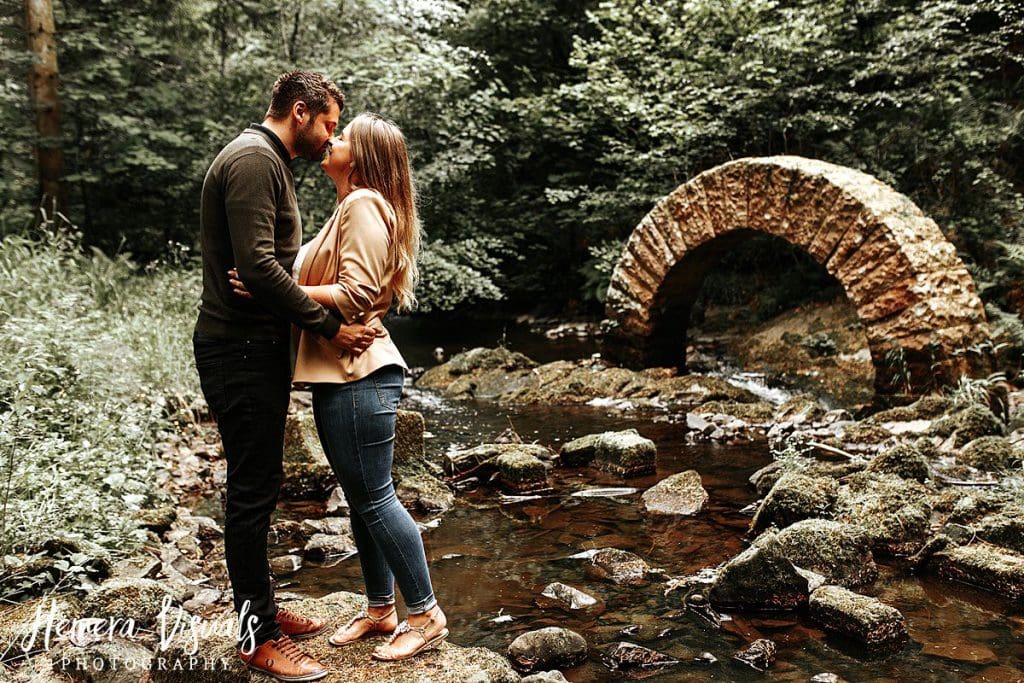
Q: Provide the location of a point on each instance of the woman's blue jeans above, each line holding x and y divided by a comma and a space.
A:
356, 423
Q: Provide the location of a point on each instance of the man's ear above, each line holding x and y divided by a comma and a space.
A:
299, 111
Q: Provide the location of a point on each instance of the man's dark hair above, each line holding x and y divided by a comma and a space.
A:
315, 89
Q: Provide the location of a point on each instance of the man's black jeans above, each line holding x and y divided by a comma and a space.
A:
246, 383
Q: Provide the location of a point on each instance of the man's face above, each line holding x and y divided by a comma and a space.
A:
311, 138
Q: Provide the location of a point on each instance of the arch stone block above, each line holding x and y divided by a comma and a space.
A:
909, 287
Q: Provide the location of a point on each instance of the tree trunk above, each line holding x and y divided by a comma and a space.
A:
43, 77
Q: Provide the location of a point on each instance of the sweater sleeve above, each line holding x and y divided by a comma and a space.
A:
252, 186
364, 247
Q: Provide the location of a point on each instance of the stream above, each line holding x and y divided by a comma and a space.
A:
491, 556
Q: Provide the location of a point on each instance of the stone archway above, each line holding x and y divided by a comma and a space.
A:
904, 278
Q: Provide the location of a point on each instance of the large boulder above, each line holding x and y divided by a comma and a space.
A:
895, 513
869, 621
761, 577
794, 497
903, 460
991, 453
307, 474
546, 648
625, 453
839, 552
679, 494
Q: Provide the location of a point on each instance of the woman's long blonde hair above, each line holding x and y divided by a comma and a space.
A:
381, 161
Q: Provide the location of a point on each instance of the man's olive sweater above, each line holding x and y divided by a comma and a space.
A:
249, 220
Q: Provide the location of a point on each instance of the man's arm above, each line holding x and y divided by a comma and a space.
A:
251, 186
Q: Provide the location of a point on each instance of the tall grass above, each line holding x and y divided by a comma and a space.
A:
92, 347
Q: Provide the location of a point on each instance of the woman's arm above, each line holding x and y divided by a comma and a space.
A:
364, 255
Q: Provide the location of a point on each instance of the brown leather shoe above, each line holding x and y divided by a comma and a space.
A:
284, 660
298, 627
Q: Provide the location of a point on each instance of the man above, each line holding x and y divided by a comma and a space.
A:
250, 222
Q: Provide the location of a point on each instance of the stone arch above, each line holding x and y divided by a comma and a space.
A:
908, 285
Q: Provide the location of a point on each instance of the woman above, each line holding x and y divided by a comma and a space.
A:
363, 257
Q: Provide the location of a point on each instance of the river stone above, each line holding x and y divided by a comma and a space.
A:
447, 663
301, 440
794, 497
866, 620
759, 655
625, 453
760, 577
924, 408
764, 479
481, 358
113, 660
991, 453
799, 409
679, 494
968, 424
18, 621
553, 676
546, 648
980, 564
283, 565
623, 656
756, 411
483, 458
425, 492
290, 533
895, 513
839, 552
125, 598
1004, 528
332, 526
620, 566
409, 429
904, 460
158, 519
323, 546
567, 596
522, 472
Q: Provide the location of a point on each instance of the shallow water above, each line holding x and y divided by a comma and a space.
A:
491, 559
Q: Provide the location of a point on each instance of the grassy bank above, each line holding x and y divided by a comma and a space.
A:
94, 350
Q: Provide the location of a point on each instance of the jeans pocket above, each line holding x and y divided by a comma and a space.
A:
388, 390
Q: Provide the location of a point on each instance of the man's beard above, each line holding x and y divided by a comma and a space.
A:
305, 145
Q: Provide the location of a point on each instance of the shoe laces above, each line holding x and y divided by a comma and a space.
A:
288, 647
291, 616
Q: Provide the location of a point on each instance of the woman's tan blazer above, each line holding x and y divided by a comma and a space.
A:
353, 252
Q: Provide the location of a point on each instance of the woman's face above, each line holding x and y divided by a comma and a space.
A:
337, 162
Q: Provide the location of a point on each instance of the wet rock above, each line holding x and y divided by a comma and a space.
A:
203, 599
113, 660
289, 533
1004, 528
283, 565
679, 494
546, 648
759, 655
481, 358
968, 424
866, 620
480, 460
567, 596
764, 479
895, 513
839, 552
799, 409
138, 599
625, 453
903, 460
307, 481
521, 472
760, 577
553, 676
861, 436
425, 492
990, 453
755, 411
625, 656
620, 566
795, 497
323, 546
336, 502
301, 441
18, 621
982, 565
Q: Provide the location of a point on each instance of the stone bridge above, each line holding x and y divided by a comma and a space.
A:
906, 281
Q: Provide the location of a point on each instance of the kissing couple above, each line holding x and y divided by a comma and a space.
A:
334, 291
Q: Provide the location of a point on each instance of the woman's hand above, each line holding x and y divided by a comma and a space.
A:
237, 285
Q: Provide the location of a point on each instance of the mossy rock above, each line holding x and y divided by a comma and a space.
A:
924, 408
968, 424
983, 565
903, 460
795, 497
761, 577
895, 513
800, 408
990, 453
17, 621
522, 472
1004, 528
130, 598
872, 623
756, 411
840, 552
481, 358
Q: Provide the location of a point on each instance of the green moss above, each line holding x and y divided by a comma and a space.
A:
990, 453
903, 460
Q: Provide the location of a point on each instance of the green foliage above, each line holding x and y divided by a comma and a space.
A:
92, 350
457, 274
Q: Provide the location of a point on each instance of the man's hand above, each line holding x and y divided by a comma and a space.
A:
354, 338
